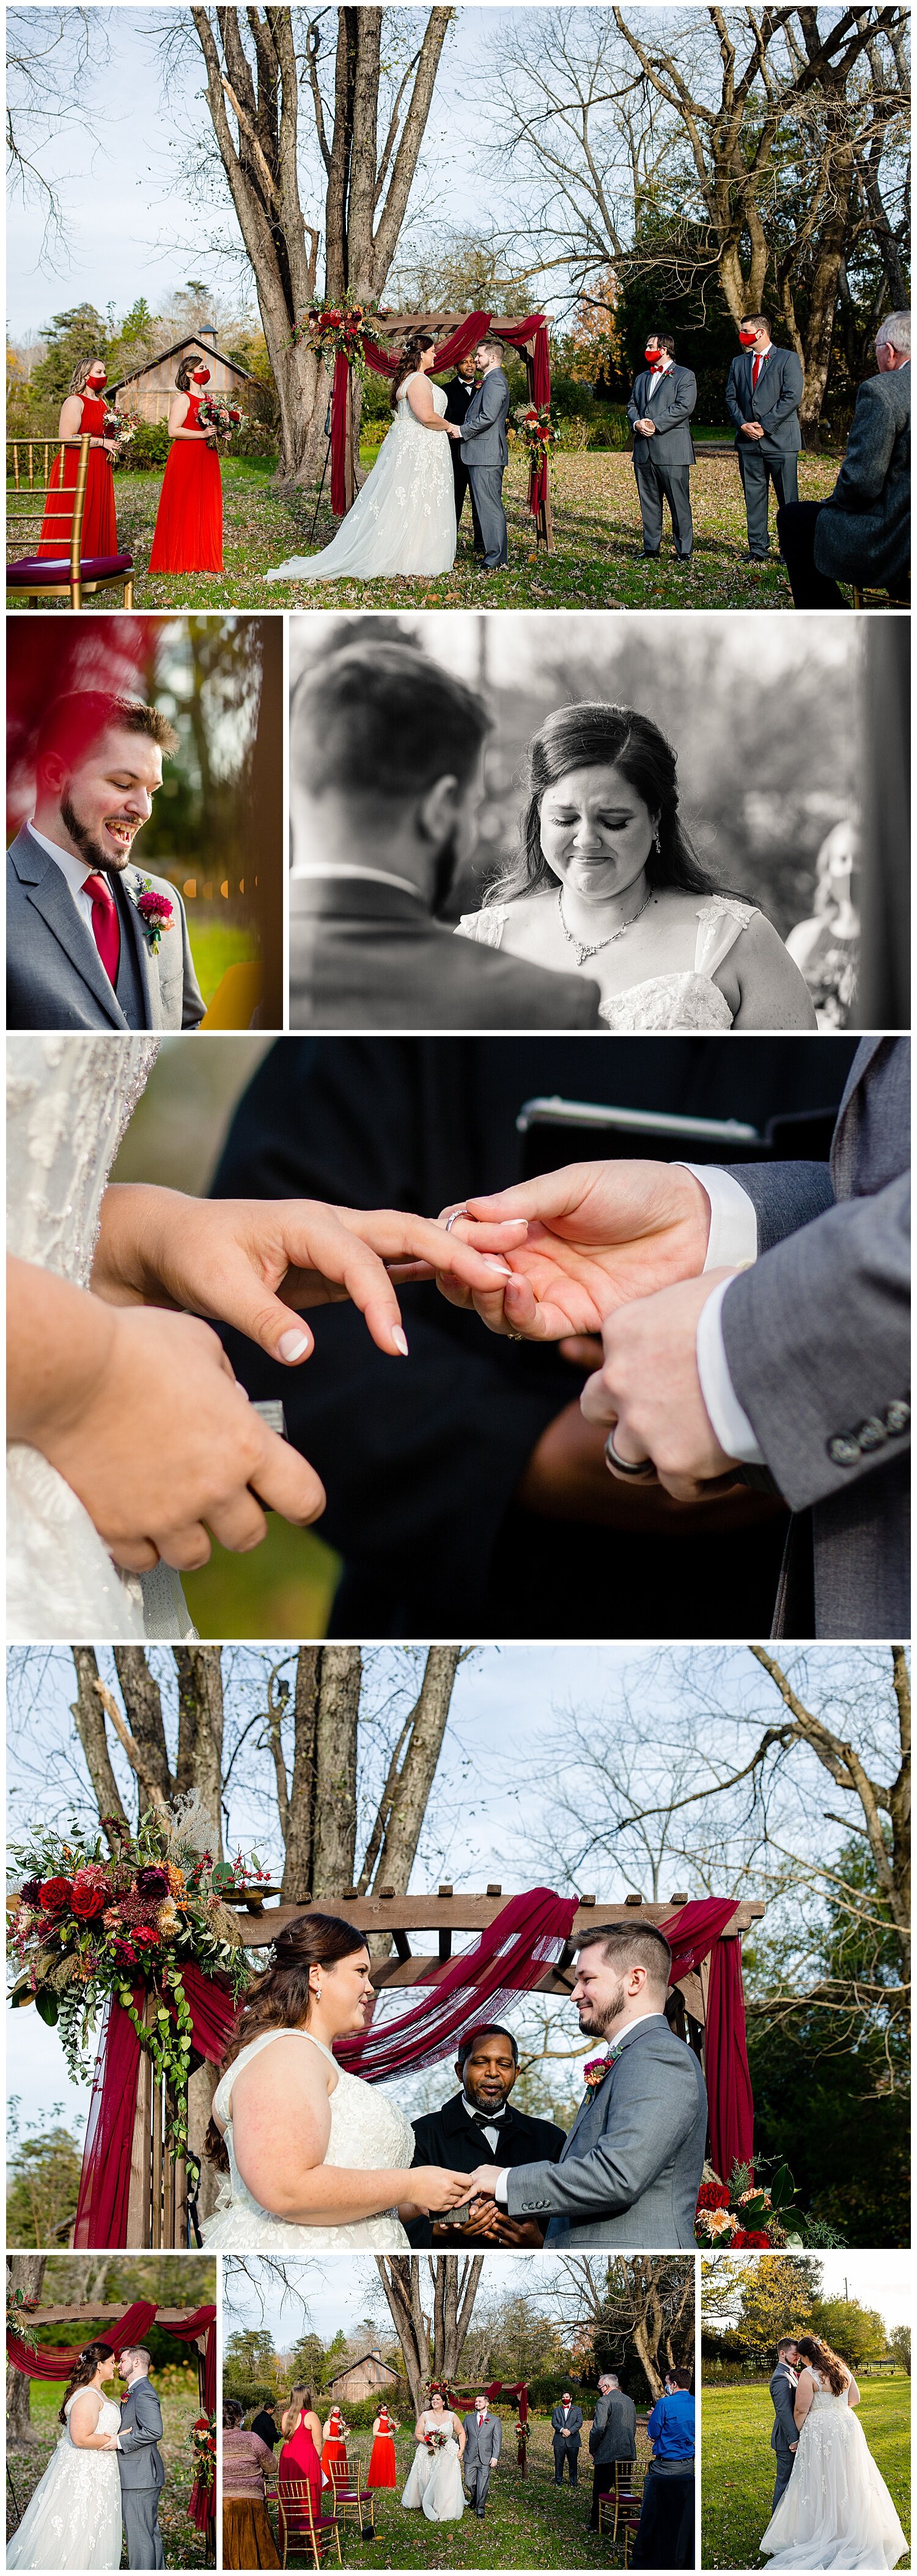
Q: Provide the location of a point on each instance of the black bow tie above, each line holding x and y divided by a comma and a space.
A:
487, 2119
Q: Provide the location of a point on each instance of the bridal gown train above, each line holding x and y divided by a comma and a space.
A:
435, 2481
69, 1100
74, 2519
367, 2133
836, 2511
678, 1003
403, 519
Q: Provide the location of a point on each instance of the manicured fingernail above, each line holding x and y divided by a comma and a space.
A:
502, 1266
292, 1346
400, 1340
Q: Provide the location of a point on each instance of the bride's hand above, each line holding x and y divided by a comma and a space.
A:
247, 1262
433, 2187
597, 1235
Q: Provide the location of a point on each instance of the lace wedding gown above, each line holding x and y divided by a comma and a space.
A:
678, 1003
74, 2519
435, 2481
836, 2511
403, 519
69, 1100
367, 2132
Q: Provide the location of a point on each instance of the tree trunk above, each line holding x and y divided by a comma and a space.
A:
143, 1706
25, 2272
823, 296
412, 1788
454, 2280
400, 2275
341, 1674
298, 1868
89, 1720
200, 1730
456, 2286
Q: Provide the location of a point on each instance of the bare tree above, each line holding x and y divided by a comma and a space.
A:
50, 57
639, 2301
432, 2340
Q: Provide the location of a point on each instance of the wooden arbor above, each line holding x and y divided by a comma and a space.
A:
388, 327
88, 2316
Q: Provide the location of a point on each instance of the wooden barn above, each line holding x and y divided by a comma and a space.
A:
368, 2377
149, 391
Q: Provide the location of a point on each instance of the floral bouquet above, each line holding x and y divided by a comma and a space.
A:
337, 331
536, 430
436, 2441
219, 416
121, 426
744, 2213
202, 2444
18, 2310
156, 913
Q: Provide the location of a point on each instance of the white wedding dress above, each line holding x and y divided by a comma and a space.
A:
367, 2132
403, 518
435, 2482
74, 2519
69, 1100
836, 2511
678, 1003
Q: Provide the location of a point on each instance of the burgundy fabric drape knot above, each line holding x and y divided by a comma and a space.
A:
459, 344
101, 2214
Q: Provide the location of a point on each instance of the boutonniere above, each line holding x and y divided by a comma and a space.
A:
595, 2071
156, 913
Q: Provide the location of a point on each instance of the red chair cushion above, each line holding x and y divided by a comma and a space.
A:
39, 568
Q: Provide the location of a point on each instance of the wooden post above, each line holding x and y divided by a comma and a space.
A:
139, 2211
349, 476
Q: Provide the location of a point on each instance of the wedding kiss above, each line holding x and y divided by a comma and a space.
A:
832, 2507
106, 2471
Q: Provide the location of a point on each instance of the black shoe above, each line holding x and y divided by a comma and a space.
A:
645, 554
684, 559
750, 558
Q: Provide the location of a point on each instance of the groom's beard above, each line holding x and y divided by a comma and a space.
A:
108, 862
595, 2023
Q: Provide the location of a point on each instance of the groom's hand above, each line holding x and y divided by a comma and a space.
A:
597, 1235
484, 2181
648, 1391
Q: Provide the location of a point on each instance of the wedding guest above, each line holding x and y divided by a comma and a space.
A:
459, 393
248, 2540
265, 2425
659, 411
82, 416
567, 2434
862, 532
665, 2533
334, 2445
476, 2122
763, 395
382, 2471
385, 783
826, 946
612, 2436
188, 536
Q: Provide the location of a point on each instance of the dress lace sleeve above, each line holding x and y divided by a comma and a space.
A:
721, 920
486, 927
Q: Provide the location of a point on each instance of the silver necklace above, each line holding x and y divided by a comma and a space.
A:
582, 951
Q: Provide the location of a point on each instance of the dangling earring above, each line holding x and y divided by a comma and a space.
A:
656, 840
318, 1994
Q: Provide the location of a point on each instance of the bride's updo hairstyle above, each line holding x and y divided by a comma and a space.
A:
407, 364
594, 735
281, 2000
820, 2357
84, 2372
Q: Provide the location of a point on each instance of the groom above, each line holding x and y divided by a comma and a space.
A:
483, 2445
630, 2169
87, 946
142, 2474
483, 448
784, 2435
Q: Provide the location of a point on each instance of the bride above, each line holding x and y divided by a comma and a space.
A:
316, 2159
606, 881
129, 1436
74, 2519
836, 2510
435, 2481
403, 519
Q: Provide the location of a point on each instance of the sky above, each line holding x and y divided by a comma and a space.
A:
341, 2290
877, 2279
133, 226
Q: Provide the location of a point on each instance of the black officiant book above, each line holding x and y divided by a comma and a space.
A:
556, 1131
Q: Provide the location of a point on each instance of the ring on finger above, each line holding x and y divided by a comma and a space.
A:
454, 1218
641, 1467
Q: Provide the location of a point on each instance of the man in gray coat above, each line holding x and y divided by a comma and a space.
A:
763, 394
784, 2434
862, 533
483, 448
483, 2445
659, 412
631, 2168
612, 2436
139, 2462
87, 947
566, 2432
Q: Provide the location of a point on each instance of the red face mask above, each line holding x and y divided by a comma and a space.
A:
97, 378
748, 339
655, 357
200, 376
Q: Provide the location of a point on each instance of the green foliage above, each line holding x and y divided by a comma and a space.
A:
737, 2474
43, 2175
249, 2353
147, 451
899, 2342
71, 337
857, 2333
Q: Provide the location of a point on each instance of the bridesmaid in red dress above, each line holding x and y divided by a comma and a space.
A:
189, 520
82, 415
382, 2470
299, 2457
334, 2445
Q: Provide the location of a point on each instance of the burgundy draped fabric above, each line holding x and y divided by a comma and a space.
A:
459, 344
101, 2216
693, 1934
57, 2361
526, 1936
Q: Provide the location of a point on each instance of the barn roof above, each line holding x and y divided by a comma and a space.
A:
358, 2365
207, 349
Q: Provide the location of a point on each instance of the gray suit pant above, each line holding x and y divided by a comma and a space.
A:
477, 2478
656, 483
140, 2512
487, 495
757, 472
785, 2461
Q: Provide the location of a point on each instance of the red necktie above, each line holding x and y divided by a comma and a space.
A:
756, 366
105, 925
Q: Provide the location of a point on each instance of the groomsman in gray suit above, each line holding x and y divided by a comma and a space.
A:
763, 395
483, 2445
659, 412
139, 2462
86, 947
630, 2171
784, 2433
483, 448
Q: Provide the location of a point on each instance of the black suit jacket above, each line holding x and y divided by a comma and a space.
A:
447, 2137
458, 397
364, 955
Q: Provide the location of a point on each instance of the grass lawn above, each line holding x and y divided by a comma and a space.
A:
183, 2545
528, 2523
596, 538
737, 2476
215, 946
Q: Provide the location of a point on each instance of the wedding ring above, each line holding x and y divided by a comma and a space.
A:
454, 1218
626, 1466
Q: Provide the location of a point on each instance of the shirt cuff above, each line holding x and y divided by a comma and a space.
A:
733, 1218
501, 2192
730, 1422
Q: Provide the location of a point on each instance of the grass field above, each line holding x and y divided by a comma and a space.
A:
737, 2474
593, 565
528, 2523
182, 2544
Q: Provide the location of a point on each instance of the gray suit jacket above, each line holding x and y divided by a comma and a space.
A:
774, 401
571, 2431
613, 2431
670, 409
817, 1337
484, 2446
784, 2429
139, 2461
484, 426
631, 2168
365, 956
863, 533
55, 978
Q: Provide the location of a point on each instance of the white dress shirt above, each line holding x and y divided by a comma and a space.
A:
492, 2129
74, 870
733, 1244
656, 376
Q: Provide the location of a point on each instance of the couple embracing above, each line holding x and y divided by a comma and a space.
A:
106, 2472
403, 520
832, 2507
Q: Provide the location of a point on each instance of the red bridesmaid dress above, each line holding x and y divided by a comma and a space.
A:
299, 2459
334, 2450
189, 520
100, 534
382, 2470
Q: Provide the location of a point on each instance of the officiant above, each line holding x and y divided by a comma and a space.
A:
459, 392
478, 2125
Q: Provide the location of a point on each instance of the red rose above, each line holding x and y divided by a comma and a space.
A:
87, 1901
713, 2195
54, 1894
750, 2236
